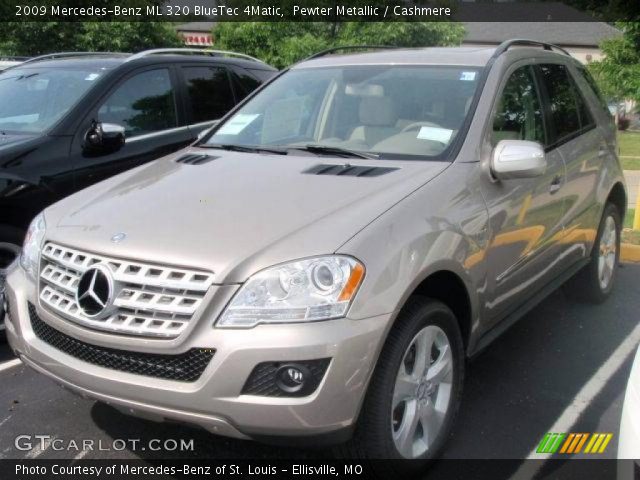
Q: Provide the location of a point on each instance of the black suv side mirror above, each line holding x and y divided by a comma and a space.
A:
104, 137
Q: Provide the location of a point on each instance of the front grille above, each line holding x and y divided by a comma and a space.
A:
149, 300
184, 367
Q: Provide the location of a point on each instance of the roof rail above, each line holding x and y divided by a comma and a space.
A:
193, 51
52, 56
12, 58
349, 47
504, 46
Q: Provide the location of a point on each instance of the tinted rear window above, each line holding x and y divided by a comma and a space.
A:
569, 111
593, 86
209, 92
262, 75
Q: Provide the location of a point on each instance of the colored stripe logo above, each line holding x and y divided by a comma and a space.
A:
572, 443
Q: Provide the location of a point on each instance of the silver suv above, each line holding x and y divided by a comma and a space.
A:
322, 262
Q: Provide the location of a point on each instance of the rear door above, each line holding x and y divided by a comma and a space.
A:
208, 94
146, 103
583, 147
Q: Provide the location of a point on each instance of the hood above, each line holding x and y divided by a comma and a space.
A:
12, 148
7, 139
233, 215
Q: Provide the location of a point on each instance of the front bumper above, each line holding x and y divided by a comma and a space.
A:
214, 401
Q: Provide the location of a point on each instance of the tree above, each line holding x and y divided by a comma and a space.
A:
37, 38
283, 43
618, 73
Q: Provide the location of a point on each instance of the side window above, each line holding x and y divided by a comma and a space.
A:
142, 104
209, 92
566, 109
594, 88
519, 114
243, 83
263, 75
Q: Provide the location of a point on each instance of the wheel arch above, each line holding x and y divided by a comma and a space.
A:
618, 196
449, 288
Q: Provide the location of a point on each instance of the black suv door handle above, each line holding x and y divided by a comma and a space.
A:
556, 183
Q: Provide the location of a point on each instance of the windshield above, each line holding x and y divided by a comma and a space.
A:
32, 100
389, 110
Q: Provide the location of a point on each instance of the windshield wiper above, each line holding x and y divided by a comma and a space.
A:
243, 148
341, 152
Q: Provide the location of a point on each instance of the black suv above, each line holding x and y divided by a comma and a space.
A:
69, 120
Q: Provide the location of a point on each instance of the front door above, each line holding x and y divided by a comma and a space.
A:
525, 214
145, 104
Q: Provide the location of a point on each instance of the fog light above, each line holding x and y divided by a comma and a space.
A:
292, 377
286, 379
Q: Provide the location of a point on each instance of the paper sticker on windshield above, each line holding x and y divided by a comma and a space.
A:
468, 76
237, 124
91, 77
435, 134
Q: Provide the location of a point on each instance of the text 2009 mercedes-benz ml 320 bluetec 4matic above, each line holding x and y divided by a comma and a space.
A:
322, 263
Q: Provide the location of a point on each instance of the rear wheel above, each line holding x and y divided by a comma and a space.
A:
10, 241
415, 391
595, 281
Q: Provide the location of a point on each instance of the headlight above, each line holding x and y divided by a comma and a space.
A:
32, 243
307, 290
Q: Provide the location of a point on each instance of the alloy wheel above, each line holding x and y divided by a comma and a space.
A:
422, 392
607, 252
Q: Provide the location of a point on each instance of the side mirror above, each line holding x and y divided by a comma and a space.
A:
517, 159
206, 130
105, 137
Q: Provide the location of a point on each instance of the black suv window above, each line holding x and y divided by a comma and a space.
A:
209, 92
568, 109
142, 104
519, 114
243, 82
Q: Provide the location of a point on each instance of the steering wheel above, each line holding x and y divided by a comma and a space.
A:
416, 125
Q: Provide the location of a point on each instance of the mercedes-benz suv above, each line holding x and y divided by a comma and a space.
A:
321, 264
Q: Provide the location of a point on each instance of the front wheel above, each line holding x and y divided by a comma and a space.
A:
415, 391
594, 282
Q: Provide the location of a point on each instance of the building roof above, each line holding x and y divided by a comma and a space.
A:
577, 34
196, 27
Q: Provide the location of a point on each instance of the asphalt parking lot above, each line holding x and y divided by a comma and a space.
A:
563, 367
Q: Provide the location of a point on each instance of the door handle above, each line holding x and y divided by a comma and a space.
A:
556, 183
602, 151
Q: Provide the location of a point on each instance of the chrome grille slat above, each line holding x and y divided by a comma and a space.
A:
61, 277
175, 302
151, 300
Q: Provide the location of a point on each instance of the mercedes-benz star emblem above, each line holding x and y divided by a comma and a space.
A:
118, 237
95, 291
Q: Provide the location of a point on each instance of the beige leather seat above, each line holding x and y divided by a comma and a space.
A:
378, 120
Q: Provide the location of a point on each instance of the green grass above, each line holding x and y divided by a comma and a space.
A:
630, 163
628, 220
629, 143
630, 236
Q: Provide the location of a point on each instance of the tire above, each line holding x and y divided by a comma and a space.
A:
10, 246
384, 420
587, 285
